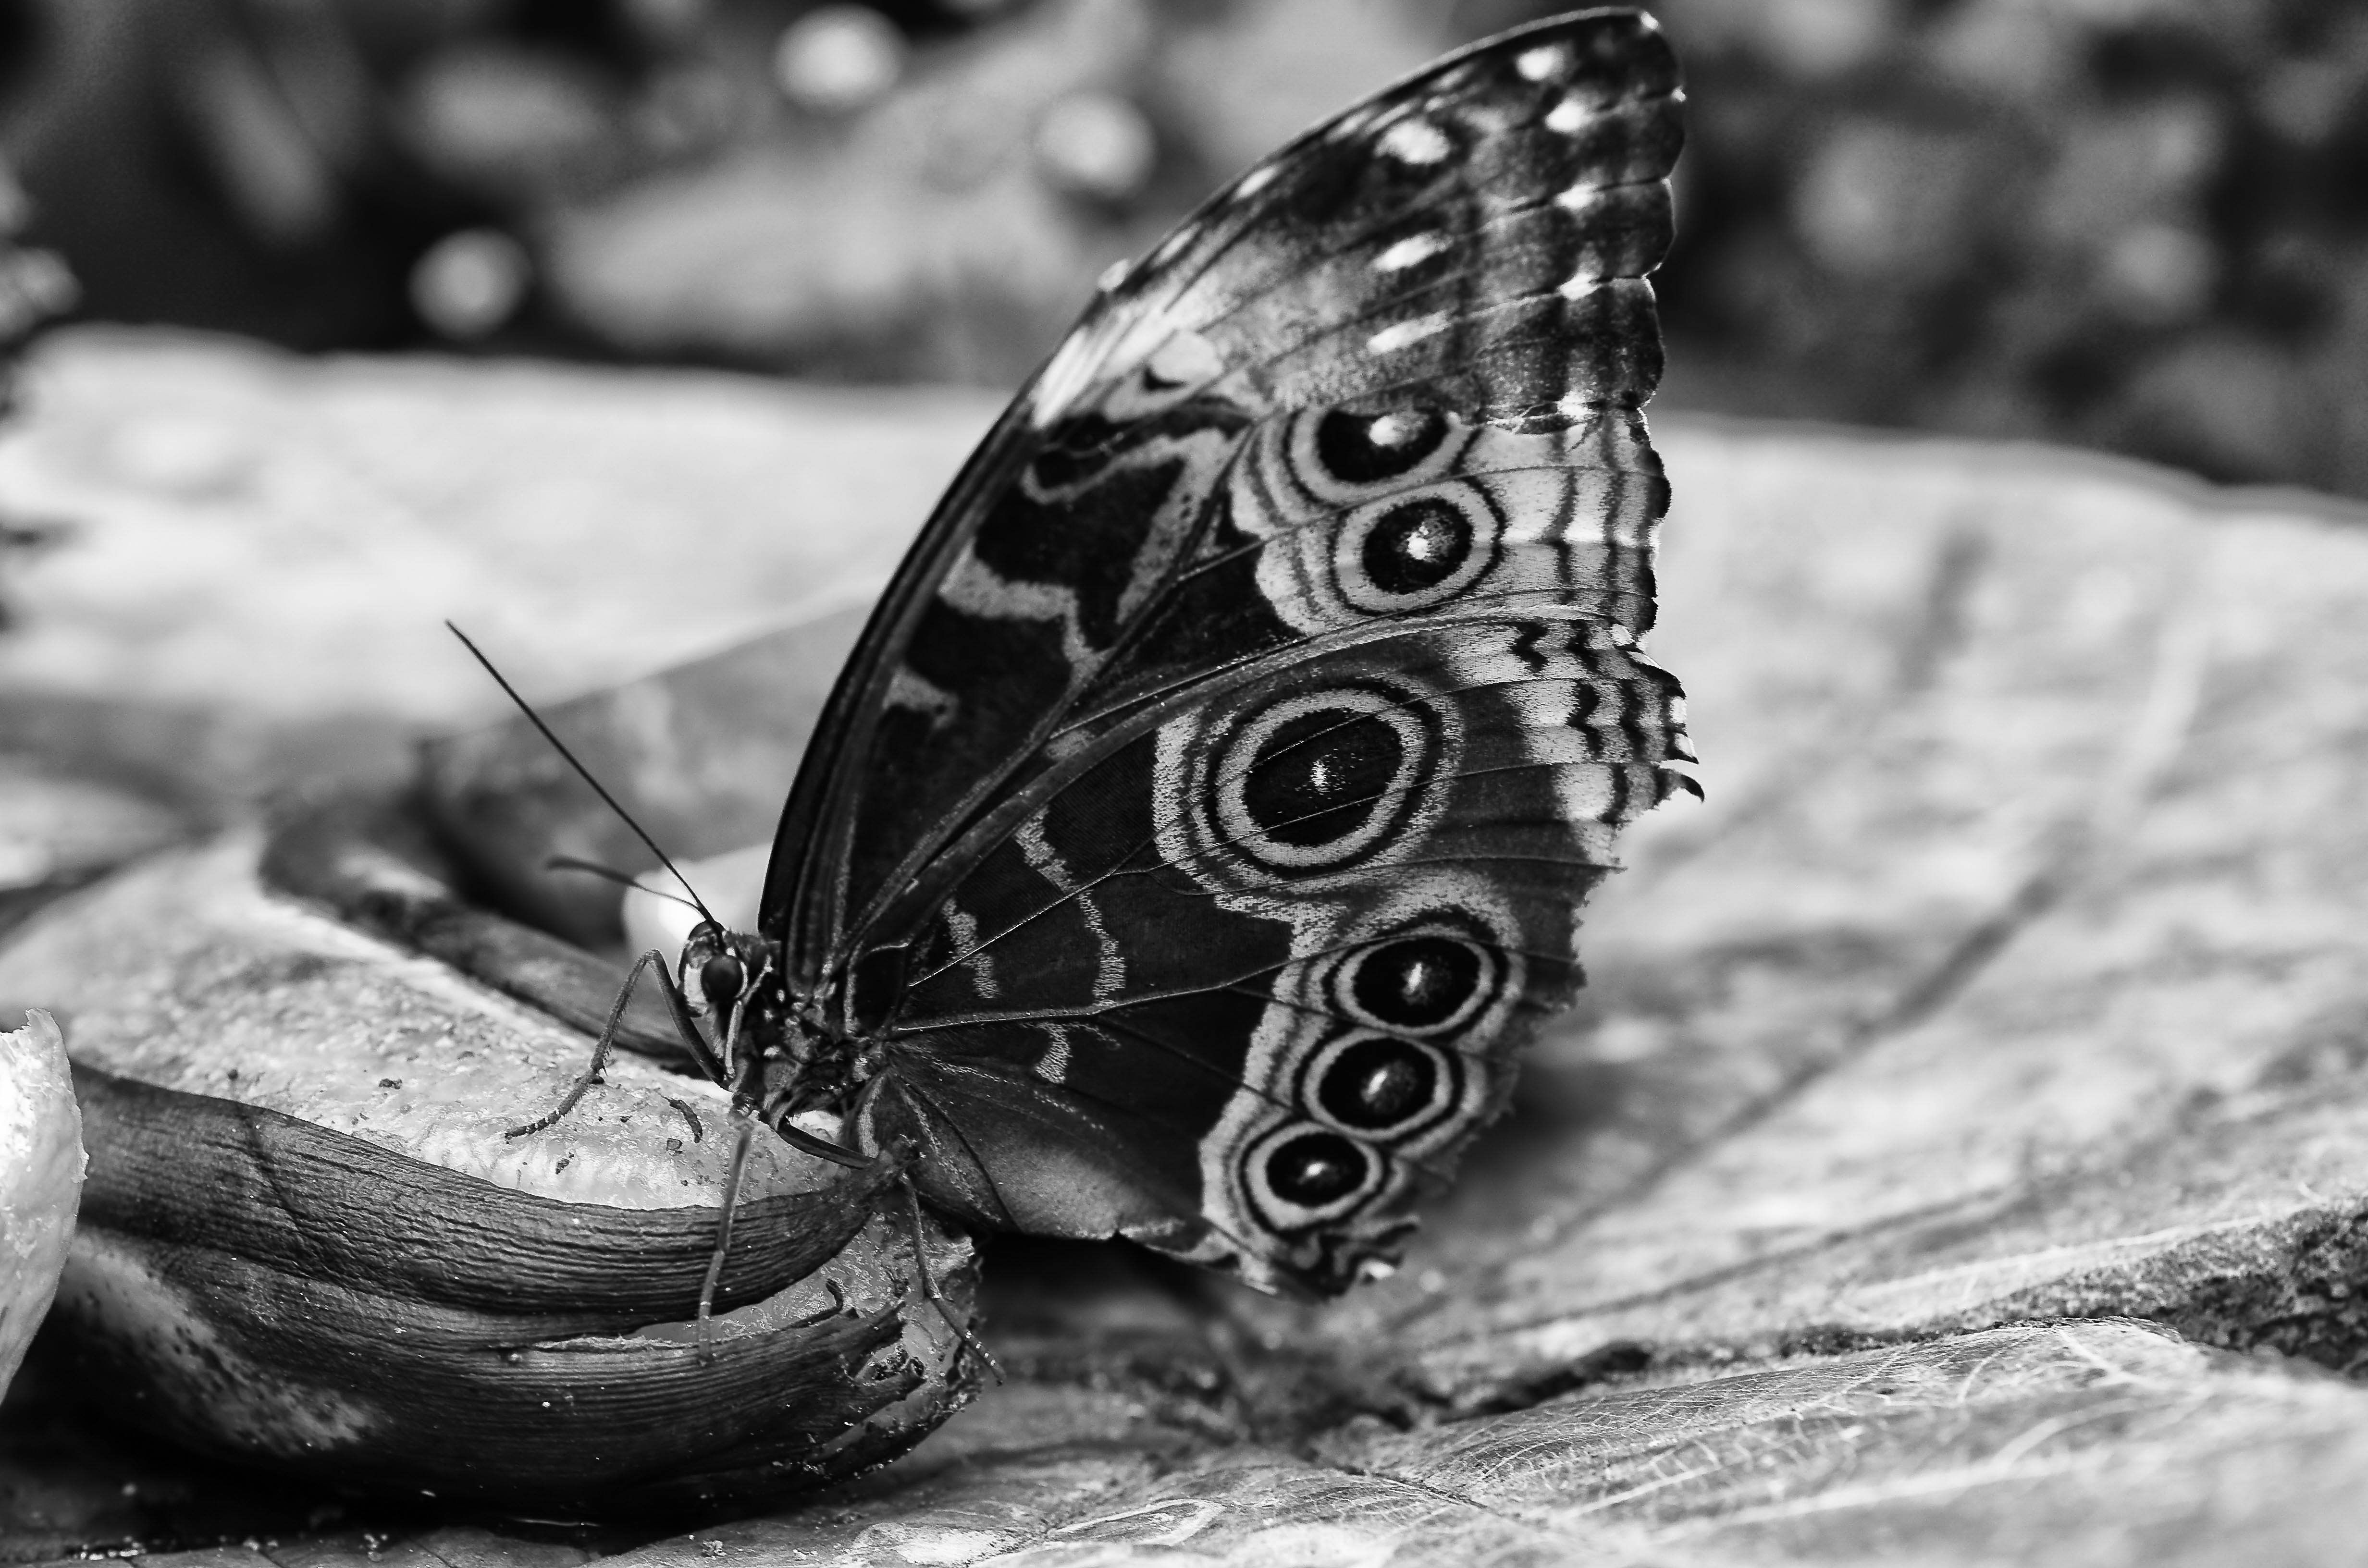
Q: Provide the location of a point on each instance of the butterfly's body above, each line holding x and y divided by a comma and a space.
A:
780, 1053
1202, 820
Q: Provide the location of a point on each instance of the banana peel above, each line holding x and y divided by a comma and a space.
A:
307, 1243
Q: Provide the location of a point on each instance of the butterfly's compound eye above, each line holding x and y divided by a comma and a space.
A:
720, 980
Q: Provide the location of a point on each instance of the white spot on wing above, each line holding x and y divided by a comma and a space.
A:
1350, 125
1258, 179
1538, 64
1566, 116
1114, 342
1187, 359
1391, 338
1172, 246
1411, 251
1415, 142
1114, 275
1066, 373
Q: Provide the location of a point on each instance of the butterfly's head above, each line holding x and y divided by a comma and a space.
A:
722, 969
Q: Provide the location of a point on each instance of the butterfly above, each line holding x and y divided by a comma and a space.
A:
1200, 825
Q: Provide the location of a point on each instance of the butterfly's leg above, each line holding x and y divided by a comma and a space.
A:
724, 1227
676, 1003
971, 1341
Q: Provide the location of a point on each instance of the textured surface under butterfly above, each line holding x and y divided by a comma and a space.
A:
1203, 819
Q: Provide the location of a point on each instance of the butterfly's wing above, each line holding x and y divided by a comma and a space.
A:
1203, 816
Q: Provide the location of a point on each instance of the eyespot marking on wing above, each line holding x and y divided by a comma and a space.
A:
1323, 779
1416, 550
1357, 449
1426, 981
1303, 1173
1381, 1086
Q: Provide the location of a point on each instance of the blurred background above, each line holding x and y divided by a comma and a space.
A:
2136, 224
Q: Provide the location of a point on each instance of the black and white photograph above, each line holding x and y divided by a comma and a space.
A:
1264, 783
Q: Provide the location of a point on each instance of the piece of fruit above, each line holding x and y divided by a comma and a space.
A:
307, 1243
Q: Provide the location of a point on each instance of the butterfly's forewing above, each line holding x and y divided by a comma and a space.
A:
1203, 817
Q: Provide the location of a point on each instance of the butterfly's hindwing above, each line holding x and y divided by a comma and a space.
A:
1379, 852
1229, 762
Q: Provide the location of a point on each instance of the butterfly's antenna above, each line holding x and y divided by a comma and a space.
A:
584, 773
611, 873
